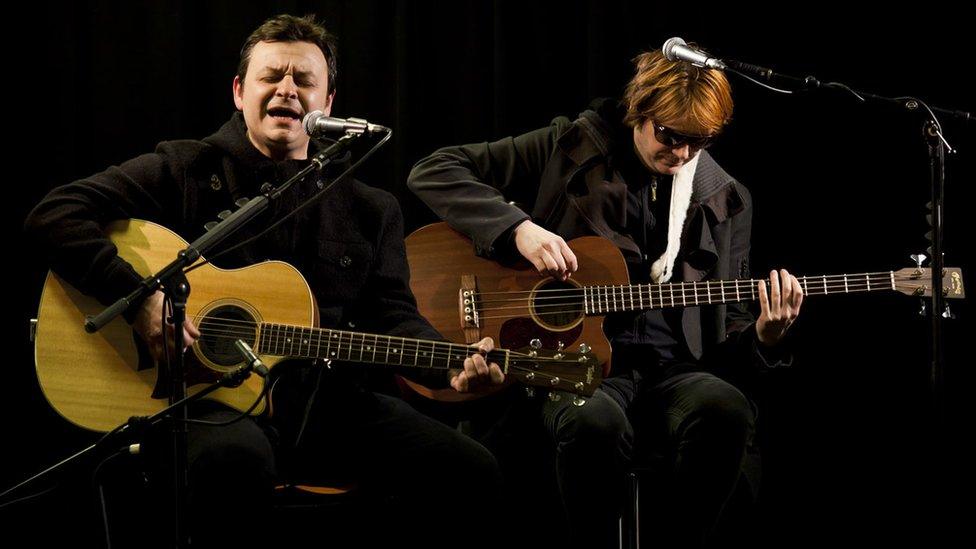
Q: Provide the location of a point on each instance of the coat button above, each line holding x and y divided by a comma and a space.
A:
345, 261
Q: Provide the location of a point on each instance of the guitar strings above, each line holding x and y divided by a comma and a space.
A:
354, 343
614, 298
711, 284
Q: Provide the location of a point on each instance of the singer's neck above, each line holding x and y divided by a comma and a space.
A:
280, 153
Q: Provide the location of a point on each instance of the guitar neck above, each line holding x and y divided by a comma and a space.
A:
600, 300
303, 342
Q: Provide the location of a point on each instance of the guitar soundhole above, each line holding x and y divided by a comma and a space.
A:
220, 329
557, 304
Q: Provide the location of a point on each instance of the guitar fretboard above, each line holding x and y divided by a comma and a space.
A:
304, 342
598, 300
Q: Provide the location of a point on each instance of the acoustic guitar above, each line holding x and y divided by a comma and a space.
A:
468, 297
98, 381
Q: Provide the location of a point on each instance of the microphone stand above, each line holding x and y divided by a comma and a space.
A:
177, 289
937, 147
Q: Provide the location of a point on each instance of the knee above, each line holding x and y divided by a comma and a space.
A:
595, 424
719, 407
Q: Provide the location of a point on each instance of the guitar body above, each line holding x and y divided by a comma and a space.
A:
97, 381
442, 263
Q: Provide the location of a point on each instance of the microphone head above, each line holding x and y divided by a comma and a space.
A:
668, 48
310, 119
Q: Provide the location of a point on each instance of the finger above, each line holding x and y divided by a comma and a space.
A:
763, 300
496, 374
539, 264
460, 382
557, 255
480, 366
797, 295
552, 267
571, 262
191, 329
486, 345
774, 297
786, 288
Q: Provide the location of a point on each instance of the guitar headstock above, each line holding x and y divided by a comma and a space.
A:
579, 373
918, 281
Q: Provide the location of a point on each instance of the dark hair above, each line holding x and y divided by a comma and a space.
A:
288, 28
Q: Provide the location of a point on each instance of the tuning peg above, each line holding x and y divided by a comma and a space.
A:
535, 343
223, 215
579, 401
584, 348
241, 202
922, 309
919, 259
530, 392
948, 313
209, 226
554, 397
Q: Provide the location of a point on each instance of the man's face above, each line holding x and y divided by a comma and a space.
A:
284, 81
665, 159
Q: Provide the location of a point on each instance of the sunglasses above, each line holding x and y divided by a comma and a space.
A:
675, 140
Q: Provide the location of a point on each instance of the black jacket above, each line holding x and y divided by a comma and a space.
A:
348, 244
564, 177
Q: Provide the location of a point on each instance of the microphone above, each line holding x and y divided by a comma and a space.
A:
316, 123
252, 360
676, 49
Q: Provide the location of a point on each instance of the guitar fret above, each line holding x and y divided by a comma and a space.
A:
694, 288
318, 344
892, 274
846, 290
721, 289
825, 285
586, 305
868, 278
708, 290
362, 346
805, 290
671, 290
737, 297
630, 290
684, 298
289, 340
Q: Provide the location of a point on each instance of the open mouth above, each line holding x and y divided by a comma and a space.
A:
284, 114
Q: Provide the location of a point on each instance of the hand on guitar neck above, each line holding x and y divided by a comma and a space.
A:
149, 325
477, 374
777, 311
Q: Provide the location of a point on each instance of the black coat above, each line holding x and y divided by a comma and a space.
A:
564, 178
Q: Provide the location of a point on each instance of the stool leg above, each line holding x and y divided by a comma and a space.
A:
629, 526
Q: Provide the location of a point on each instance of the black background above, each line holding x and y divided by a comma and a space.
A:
851, 447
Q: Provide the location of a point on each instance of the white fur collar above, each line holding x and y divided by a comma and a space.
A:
662, 269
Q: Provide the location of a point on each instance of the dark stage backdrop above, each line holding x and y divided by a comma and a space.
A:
851, 448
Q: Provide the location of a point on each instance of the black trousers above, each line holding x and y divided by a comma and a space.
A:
690, 431
433, 478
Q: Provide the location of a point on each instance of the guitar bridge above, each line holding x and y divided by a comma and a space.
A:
468, 308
